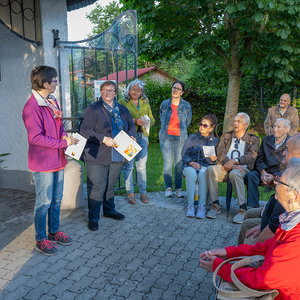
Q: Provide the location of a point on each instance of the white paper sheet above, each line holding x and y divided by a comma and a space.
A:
75, 151
147, 120
127, 147
209, 151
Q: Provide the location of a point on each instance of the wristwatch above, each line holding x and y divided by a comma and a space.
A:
237, 161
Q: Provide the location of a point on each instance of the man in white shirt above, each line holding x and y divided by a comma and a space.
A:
236, 153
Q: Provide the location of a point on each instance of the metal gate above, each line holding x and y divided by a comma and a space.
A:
110, 55
102, 57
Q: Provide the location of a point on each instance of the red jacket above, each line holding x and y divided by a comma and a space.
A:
280, 269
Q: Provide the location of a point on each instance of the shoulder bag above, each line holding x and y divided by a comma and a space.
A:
236, 290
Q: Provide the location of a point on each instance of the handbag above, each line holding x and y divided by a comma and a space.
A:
237, 290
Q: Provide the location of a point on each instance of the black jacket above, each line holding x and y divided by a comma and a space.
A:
95, 125
193, 145
269, 158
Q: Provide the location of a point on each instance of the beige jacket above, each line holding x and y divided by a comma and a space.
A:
291, 114
251, 149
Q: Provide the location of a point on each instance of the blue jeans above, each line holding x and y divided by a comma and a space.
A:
252, 180
171, 151
190, 180
140, 162
49, 192
101, 181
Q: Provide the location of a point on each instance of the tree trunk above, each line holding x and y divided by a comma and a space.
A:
232, 100
295, 96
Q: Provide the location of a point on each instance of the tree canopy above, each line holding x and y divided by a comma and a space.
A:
103, 16
254, 36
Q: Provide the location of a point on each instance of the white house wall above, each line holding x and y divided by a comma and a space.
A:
17, 59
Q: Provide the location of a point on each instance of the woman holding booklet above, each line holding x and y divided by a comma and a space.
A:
100, 123
47, 140
140, 110
195, 162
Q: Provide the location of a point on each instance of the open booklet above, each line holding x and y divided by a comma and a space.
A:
127, 147
75, 151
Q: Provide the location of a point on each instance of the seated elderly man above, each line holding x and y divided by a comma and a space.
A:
268, 160
236, 153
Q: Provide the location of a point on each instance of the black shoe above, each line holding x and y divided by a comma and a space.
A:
93, 225
116, 216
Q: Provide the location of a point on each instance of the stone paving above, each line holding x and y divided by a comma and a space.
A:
152, 254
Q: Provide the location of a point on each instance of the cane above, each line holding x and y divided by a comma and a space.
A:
196, 196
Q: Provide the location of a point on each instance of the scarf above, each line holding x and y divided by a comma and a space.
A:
287, 217
57, 113
114, 113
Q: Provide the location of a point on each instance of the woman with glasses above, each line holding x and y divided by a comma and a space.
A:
100, 123
175, 117
280, 268
138, 106
47, 140
195, 162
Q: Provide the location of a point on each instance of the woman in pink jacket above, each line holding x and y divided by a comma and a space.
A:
46, 160
280, 269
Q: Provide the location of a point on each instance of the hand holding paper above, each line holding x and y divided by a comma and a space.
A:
126, 146
147, 120
209, 151
75, 151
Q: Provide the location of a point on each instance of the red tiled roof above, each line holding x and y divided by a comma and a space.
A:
130, 74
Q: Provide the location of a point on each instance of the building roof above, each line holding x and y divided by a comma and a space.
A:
76, 4
130, 74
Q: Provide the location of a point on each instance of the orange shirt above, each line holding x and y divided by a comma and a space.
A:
173, 128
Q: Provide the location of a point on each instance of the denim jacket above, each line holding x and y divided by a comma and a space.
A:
184, 111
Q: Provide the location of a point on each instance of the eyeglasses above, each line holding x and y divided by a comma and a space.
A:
108, 91
277, 180
203, 125
55, 81
137, 91
176, 89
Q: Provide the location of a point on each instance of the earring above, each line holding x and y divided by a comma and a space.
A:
289, 202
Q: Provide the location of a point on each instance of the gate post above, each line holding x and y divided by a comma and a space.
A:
73, 186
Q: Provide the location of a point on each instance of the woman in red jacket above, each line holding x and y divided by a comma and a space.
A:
280, 269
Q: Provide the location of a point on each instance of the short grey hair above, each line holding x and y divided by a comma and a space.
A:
292, 174
287, 123
141, 85
245, 116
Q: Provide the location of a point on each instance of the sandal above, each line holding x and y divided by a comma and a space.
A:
145, 199
131, 199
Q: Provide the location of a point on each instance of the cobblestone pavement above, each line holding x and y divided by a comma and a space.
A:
152, 254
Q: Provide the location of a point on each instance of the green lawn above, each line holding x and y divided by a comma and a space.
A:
155, 180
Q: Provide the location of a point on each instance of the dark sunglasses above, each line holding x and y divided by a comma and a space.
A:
277, 180
203, 125
236, 144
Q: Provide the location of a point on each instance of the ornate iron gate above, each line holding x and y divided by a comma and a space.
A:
102, 57
105, 56
22, 18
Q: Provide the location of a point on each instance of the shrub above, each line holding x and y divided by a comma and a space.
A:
157, 92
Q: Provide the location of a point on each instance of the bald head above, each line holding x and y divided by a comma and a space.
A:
292, 148
285, 101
